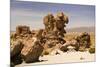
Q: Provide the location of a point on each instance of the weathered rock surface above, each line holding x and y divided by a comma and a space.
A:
16, 47
48, 21
22, 30
80, 42
84, 41
54, 26
25, 46
31, 51
73, 43
61, 20
29, 45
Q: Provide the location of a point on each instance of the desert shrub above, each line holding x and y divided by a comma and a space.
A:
92, 50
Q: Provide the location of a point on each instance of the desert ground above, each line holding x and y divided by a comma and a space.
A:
67, 57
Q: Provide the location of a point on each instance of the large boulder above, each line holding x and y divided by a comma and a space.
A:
84, 40
25, 47
16, 47
16, 59
50, 45
32, 50
72, 43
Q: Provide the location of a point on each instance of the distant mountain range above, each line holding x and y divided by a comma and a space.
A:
81, 29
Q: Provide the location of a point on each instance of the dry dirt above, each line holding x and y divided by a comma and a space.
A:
68, 57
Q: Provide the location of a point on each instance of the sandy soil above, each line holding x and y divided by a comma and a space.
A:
67, 57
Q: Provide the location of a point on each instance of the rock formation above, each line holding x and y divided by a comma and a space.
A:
84, 40
32, 49
22, 30
25, 46
54, 27
61, 20
28, 46
48, 21
73, 43
16, 48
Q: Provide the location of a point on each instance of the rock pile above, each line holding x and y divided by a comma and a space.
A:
28, 45
25, 47
79, 43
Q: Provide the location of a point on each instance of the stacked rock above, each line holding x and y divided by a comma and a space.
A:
55, 31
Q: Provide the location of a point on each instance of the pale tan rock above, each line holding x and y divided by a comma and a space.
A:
31, 51
22, 30
84, 40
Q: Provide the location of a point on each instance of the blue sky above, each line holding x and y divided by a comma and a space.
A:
32, 13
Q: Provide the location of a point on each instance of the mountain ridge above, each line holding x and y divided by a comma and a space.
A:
81, 29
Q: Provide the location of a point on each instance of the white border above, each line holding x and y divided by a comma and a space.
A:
84, 2
4, 33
